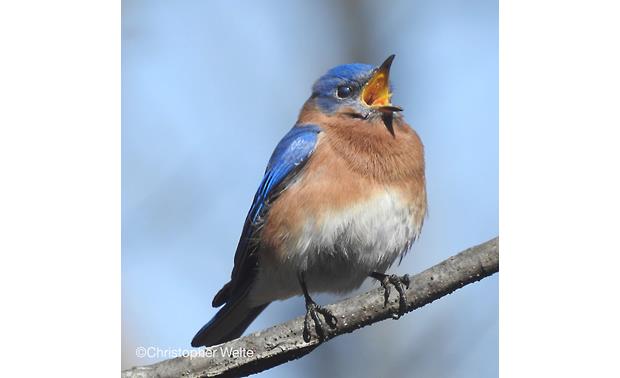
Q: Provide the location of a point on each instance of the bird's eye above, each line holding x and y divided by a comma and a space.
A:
344, 91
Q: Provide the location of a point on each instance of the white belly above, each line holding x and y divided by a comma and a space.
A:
338, 252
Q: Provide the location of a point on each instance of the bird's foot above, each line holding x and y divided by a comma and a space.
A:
400, 283
312, 315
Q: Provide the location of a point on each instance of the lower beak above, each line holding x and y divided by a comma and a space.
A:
376, 92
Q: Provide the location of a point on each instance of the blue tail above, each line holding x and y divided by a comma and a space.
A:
228, 324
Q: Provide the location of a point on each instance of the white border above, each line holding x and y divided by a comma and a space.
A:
559, 189
60, 190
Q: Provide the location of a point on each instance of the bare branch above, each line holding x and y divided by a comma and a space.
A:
284, 342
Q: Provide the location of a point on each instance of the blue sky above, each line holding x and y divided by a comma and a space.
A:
209, 88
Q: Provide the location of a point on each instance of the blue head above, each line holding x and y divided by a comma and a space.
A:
357, 90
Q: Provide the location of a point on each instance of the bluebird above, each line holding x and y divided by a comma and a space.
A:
343, 197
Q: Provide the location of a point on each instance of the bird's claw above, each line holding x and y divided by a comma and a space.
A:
400, 283
312, 314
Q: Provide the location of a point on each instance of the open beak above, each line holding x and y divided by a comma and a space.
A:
376, 92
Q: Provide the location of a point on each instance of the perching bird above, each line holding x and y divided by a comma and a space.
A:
343, 197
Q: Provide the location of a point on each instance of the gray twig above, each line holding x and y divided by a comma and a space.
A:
284, 342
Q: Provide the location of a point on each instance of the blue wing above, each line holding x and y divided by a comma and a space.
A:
290, 155
286, 161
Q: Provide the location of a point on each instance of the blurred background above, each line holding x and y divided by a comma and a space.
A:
210, 87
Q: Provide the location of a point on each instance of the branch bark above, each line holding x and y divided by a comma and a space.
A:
284, 342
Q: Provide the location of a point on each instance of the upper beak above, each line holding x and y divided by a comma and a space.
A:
376, 92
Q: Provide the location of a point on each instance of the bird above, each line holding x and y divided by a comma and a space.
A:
342, 198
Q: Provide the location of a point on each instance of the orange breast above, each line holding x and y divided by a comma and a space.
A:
353, 162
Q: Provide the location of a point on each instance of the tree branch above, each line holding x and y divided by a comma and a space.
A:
284, 342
